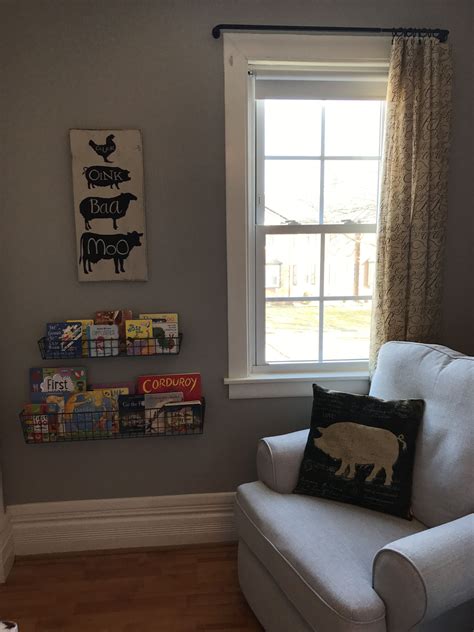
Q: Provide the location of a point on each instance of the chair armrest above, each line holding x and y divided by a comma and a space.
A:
279, 459
425, 574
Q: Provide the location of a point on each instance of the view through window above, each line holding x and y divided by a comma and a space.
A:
318, 167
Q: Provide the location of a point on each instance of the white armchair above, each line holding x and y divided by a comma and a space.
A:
311, 564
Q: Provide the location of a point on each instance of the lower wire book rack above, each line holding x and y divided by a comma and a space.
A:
60, 427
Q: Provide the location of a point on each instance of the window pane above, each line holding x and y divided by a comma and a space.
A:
352, 128
297, 260
346, 330
292, 191
350, 192
349, 264
291, 330
292, 128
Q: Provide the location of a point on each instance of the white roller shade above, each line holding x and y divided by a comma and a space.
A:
325, 82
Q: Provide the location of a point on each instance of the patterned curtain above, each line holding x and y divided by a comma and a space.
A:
413, 209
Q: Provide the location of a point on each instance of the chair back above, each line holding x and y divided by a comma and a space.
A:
443, 478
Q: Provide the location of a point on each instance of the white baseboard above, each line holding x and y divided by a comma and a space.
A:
7, 549
88, 525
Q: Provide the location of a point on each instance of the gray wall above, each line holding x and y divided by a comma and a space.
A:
153, 65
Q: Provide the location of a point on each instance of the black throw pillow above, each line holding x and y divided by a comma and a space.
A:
361, 450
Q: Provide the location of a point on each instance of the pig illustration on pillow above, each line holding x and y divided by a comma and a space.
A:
355, 444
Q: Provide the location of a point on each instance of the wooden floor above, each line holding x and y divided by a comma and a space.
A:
190, 589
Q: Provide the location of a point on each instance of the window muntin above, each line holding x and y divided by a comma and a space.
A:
316, 213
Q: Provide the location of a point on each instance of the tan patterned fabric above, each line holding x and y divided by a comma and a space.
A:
413, 208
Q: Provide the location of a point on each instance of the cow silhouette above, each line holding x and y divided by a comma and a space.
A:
95, 247
105, 208
355, 444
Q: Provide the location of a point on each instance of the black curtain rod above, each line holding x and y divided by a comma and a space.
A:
441, 34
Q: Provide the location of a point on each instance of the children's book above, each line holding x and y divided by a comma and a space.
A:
114, 317
154, 410
63, 340
189, 384
58, 380
112, 393
40, 423
165, 332
132, 414
180, 417
54, 405
103, 340
90, 414
139, 336
130, 386
53, 401
85, 322
138, 328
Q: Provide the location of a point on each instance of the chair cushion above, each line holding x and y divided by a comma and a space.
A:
443, 476
360, 450
320, 553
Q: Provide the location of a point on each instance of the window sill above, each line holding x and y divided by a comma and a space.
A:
266, 385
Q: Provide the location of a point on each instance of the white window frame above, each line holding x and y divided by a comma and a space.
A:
242, 50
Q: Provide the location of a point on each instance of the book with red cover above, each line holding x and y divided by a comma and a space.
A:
187, 383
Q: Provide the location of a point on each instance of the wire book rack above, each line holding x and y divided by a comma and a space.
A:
110, 348
61, 427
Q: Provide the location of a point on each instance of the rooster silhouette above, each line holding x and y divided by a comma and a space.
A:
104, 150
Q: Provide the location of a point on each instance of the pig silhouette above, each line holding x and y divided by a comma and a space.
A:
102, 176
355, 444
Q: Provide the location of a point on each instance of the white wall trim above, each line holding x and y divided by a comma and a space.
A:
87, 525
7, 548
236, 82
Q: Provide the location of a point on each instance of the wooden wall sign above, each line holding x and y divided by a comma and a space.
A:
107, 174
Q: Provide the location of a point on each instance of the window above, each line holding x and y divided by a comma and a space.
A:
317, 175
304, 129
